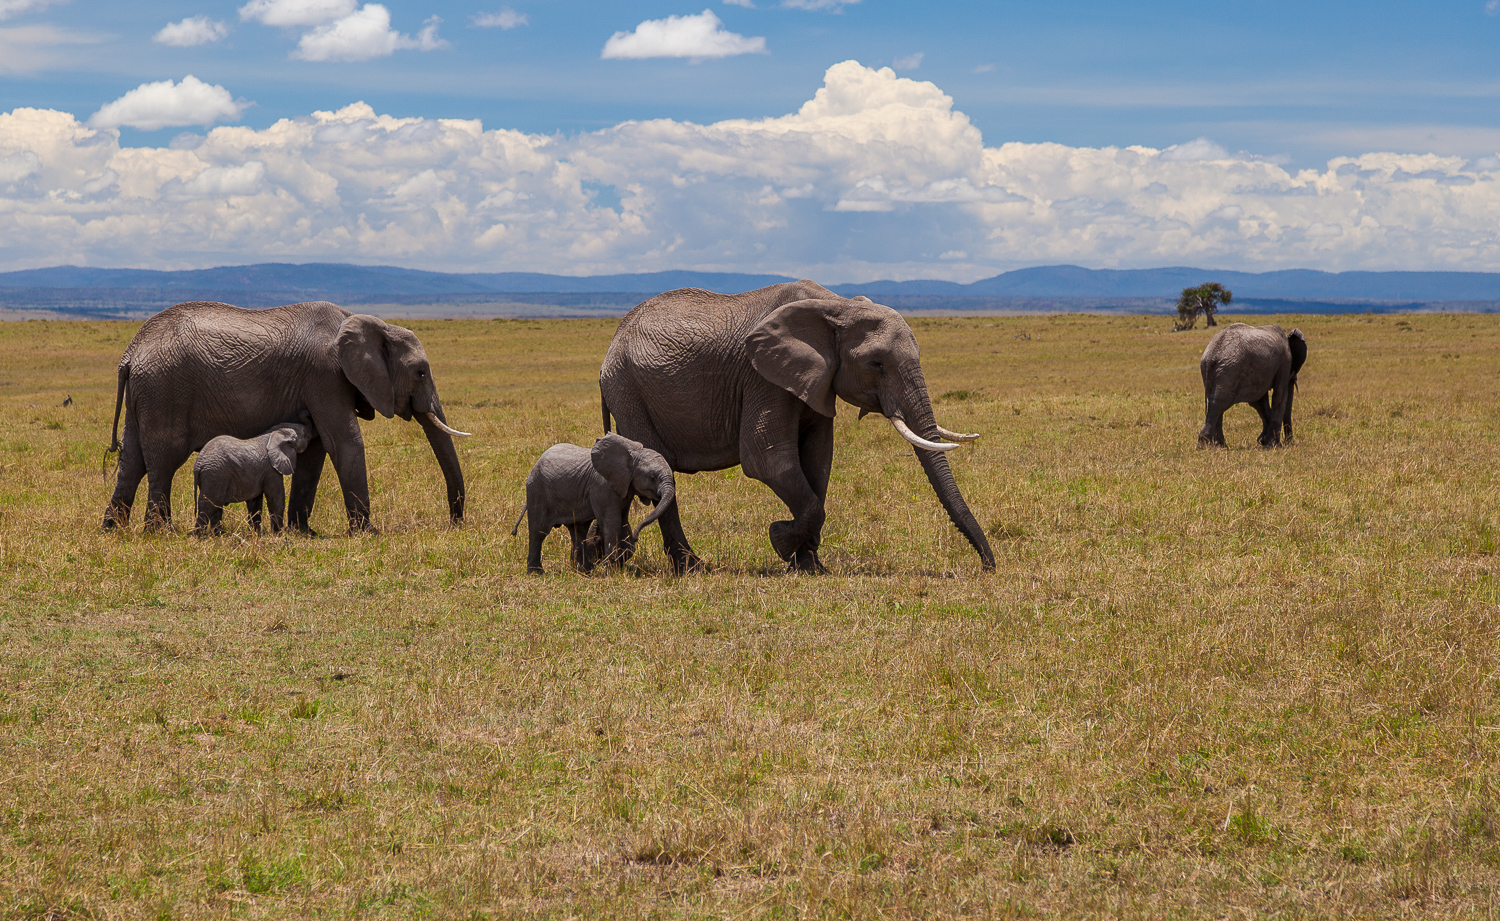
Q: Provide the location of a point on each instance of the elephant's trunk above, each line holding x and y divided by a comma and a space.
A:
666, 492
436, 429
916, 407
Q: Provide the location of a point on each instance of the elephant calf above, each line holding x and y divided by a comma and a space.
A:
1256, 365
572, 487
246, 470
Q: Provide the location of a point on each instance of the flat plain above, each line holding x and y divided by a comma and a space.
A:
1200, 684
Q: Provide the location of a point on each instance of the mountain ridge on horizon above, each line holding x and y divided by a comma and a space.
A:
1037, 281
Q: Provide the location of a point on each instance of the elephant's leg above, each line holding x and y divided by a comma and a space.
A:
626, 540
347, 452
252, 509
159, 498
609, 518
1270, 434
1283, 403
128, 476
815, 453
204, 522
305, 486
1212, 433
216, 520
582, 553
675, 543
771, 451
276, 499
534, 550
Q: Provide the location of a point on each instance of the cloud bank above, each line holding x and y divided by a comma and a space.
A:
875, 176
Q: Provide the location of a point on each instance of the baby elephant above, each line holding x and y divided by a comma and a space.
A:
244, 470
1256, 365
572, 486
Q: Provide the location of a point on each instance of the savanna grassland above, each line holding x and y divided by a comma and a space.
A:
1200, 684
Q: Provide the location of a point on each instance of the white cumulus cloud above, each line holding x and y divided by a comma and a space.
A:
296, 12
364, 34
700, 36
507, 18
195, 30
169, 105
877, 175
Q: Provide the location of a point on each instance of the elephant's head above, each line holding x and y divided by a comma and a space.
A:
388, 367
865, 354
629, 465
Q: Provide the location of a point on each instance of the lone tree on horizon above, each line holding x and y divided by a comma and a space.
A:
1205, 299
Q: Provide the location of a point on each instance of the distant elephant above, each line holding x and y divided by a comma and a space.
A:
230, 470
199, 370
573, 487
1256, 365
713, 380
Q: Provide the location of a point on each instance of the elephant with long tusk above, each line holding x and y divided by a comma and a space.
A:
200, 370
713, 380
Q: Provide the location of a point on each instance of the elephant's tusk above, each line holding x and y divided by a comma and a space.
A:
918, 440
956, 436
432, 417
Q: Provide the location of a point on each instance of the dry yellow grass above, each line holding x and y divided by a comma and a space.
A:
1200, 683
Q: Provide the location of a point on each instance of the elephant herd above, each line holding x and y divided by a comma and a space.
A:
692, 381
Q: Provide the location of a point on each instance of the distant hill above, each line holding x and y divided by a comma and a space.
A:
75, 291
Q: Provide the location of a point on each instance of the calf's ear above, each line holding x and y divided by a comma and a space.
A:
280, 449
611, 458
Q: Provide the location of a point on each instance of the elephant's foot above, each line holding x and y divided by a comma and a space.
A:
805, 561
364, 526
686, 561
793, 545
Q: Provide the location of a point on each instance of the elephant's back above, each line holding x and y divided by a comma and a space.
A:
1240, 340
223, 336
693, 326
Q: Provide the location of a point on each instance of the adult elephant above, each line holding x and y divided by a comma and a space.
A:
713, 380
201, 369
1256, 365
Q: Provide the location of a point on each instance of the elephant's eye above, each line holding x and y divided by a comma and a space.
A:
878, 366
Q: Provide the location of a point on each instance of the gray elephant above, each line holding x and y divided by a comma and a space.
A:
230, 470
1256, 365
572, 487
199, 370
712, 380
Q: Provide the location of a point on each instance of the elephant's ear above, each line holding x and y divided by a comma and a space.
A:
1298, 346
796, 348
280, 447
611, 458
362, 357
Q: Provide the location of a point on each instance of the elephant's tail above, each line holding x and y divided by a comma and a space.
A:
517, 526
114, 432
604, 408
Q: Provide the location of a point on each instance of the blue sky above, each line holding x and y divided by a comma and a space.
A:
1247, 107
